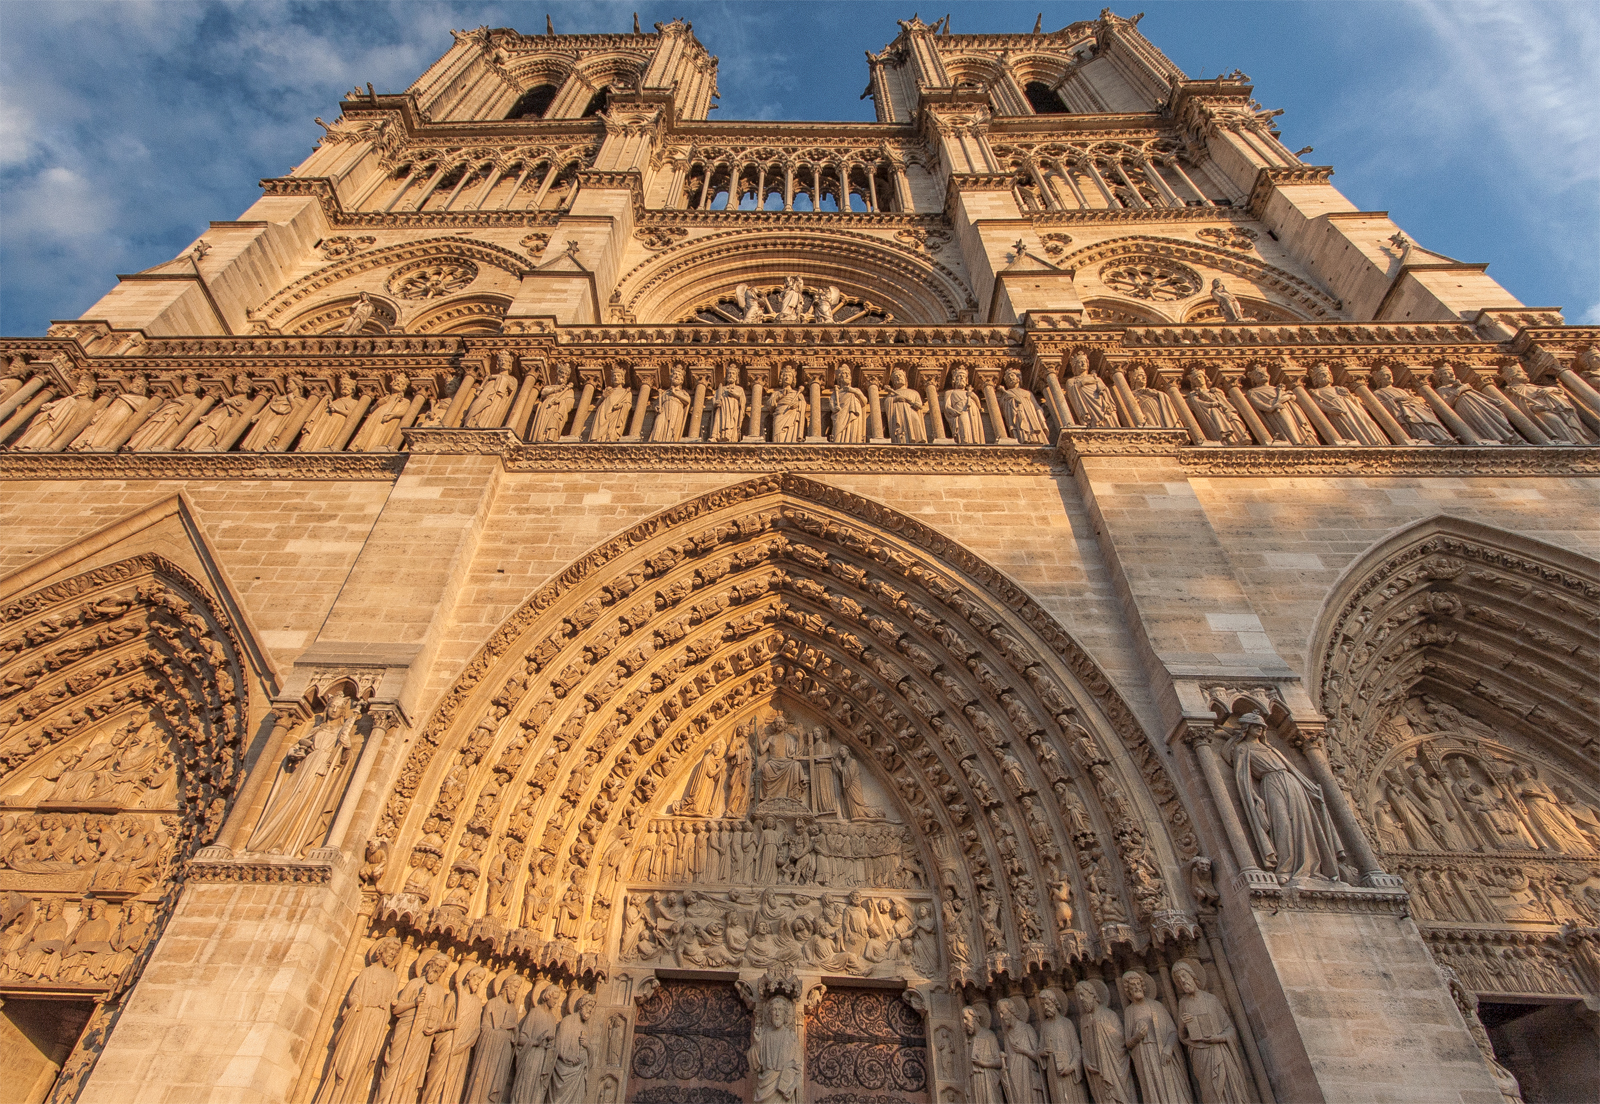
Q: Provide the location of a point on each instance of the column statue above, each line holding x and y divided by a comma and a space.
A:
536, 1037
381, 424
304, 788
1152, 1042
1058, 1040
611, 413
1207, 1030
1155, 405
571, 1055
109, 422
1024, 1081
556, 400
1480, 413
363, 1023
1549, 407
789, 410
1105, 1054
1216, 415
728, 405
1408, 408
1342, 408
849, 406
988, 1064
907, 414
452, 1044
418, 1009
490, 1078
1278, 409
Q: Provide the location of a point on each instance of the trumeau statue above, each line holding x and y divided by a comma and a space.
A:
1089, 396
775, 1053
1286, 812
304, 791
556, 400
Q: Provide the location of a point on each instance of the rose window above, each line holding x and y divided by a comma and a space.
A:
432, 280
1156, 280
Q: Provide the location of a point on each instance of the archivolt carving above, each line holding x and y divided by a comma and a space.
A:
1457, 673
914, 286
592, 707
122, 724
1301, 293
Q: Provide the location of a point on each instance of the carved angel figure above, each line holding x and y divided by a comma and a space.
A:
754, 306
827, 304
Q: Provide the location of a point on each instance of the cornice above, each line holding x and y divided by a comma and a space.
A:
1273, 177
1362, 334
322, 189
789, 220
1459, 460
352, 466
1075, 443
270, 873
1142, 214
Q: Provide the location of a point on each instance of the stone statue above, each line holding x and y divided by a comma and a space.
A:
1063, 1057
55, 415
1091, 400
1152, 1042
454, 1039
109, 422
360, 314
1408, 408
905, 416
264, 435
1215, 413
556, 400
1342, 408
1549, 407
789, 410
988, 1064
492, 402
1285, 810
703, 795
490, 1078
753, 306
382, 424
418, 1011
1278, 409
963, 413
672, 409
535, 1047
792, 304
571, 1055
167, 418
1483, 417
1430, 798
326, 424
856, 805
775, 1054
740, 757
439, 408
827, 305
1227, 305
1105, 1053
1552, 824
1155, 405
1024, 1081
1021, 410
782, 775
728, 407
611, 413
1208, 1032
303, 791
849, 406
207, 435
363, 1024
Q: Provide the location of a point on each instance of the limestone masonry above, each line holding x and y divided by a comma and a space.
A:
1033, 598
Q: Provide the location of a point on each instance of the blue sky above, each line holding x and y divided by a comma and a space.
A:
125, 127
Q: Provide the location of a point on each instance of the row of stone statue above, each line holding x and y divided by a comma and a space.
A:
1303, 409
471, 1039
1478, 803
126, 853
1285, 407
41, 946
1101, 1057
778, 851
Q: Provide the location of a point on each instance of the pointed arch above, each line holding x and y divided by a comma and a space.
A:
1019, 766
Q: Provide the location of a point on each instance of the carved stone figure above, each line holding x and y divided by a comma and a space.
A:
789, 410
754, 306
1285, 810
1213, 1042
492, 402
1218, 420
1155, 405
360, 314
418, 1011
535, 1048
383, 423
556, 400
983, 1050
855, 803
1227, 305
1430, 798
611, 413
489, 1082
1021, 410
849, 406
1091, 399
154, 430
1549, 407
1024, 1083
108, 424
905, 414
782, 775
54, 416
303, 790
740, 757
1342, 408
672, 408
1152, 1042
963, 412
827, 304
363, 1023
703, 795
1060, 1052
454, 1038
1552, 825
1409, 409
1105, 1053
207, 435
1278, 409
571, 1055
775, 1054
327, 422
792, 303
1482, 416
727, 409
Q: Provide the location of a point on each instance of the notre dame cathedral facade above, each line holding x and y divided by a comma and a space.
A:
1033, 598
